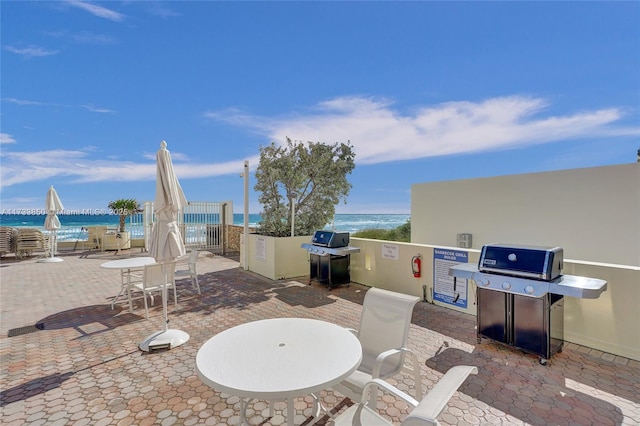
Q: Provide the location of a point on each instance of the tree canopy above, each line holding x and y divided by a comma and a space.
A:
124, 207
311, 176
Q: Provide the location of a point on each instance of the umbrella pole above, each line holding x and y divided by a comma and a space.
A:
167, 338
54, 243
165, 315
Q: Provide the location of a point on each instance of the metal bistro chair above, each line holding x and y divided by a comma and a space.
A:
383, 334
152, 281
191, 272
424, 413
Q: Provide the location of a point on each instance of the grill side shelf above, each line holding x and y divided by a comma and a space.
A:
566, 285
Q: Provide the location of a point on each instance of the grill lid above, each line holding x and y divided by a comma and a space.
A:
330, 239
540, 263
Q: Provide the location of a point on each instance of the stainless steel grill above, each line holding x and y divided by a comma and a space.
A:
520, 297
330, 257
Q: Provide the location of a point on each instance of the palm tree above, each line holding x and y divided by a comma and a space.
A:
124, 207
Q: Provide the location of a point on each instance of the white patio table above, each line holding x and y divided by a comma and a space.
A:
128, 264
278, 359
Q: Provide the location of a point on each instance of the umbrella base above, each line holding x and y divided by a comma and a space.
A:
50, 260
163, 340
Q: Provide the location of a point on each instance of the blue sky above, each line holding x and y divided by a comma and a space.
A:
424, 91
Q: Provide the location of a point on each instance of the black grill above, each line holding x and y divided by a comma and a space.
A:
520, 295
329, 258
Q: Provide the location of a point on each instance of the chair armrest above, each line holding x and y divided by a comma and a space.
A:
379, 383
414, 369
436, 399
375, 373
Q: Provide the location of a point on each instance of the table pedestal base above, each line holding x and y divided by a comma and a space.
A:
50, 260
163, 340
317, 409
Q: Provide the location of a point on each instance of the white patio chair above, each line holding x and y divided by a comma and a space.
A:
424, 413
152, 281
191, 271
127, 278
383, 334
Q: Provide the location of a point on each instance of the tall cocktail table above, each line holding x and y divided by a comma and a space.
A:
278, 359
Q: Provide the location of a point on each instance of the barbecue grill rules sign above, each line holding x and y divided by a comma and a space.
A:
445, 289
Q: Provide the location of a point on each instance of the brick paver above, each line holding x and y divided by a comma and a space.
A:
71, 360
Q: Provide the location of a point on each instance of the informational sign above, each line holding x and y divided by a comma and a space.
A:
447, 289
261, 249
390, 251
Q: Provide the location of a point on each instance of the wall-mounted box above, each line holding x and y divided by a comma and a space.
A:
464, 240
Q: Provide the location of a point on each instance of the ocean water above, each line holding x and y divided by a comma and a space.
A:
74, 226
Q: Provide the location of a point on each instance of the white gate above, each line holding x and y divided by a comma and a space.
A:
202, 224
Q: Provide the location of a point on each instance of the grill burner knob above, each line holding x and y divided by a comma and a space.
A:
484, 281
506, 285
512, 257
529, 289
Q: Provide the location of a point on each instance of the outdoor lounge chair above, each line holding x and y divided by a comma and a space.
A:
7, 239
424, 413
383, 334
191, 271
29, 240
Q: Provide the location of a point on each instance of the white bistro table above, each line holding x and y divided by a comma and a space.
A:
278, 359
128, 265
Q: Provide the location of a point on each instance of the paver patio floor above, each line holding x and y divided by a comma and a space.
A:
68, 358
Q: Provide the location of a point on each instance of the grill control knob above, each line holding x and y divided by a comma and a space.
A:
529, 289
506, 285
485, 281
512, 257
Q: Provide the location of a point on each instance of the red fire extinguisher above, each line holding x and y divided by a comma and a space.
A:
416, 264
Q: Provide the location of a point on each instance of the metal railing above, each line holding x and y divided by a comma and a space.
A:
202, 224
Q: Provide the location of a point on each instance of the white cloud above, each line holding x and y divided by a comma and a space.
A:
21, 101
99, 11
378, 132
31, 51
79, 166
6, 138
90, 108
381, 134
97, 109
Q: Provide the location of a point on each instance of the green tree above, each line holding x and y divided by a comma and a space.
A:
312, 177
124, 207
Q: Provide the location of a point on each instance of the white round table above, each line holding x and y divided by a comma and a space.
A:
276, 359
128, 264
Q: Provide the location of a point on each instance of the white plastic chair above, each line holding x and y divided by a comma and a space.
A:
383, 334
424, 413
191, 271
152, 281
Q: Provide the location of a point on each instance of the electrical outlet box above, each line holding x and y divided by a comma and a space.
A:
464, 240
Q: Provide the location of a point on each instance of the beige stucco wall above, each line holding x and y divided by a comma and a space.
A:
609, 323
276, 258
592, 213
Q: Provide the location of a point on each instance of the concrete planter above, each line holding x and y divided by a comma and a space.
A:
116, 241
276, 257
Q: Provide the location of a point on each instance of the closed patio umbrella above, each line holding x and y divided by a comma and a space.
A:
53, 206
166, 244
